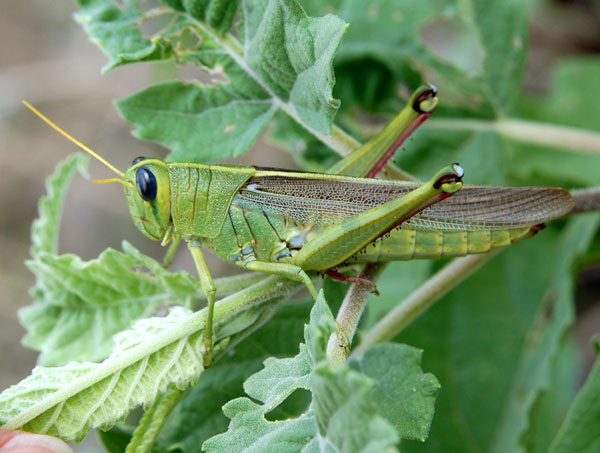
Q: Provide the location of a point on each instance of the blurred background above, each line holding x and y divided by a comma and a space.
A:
46, 59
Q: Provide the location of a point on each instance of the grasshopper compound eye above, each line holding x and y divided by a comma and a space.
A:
137, 159
146, 184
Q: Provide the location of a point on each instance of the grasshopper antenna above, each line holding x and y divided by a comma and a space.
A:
77, 142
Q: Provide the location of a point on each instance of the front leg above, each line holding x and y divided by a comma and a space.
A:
290, 271
209, 290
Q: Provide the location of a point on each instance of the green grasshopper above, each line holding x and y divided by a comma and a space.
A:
291, 223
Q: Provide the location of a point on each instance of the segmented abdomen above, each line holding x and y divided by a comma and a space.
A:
406, 244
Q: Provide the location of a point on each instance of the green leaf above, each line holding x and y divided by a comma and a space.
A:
291, 55
573, 99
248, 428
114, 29
284, 62
116, 439
580, 432
249, 431
280, 378
199, 416
473, 50
80, 305
492, 341
44, 230
343, 401
198, 123
544, 338
318, 330
402, 393
548, 412
67, 401
217, 14
154, 354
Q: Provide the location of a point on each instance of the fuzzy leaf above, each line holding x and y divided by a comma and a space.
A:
280, 378
284, 62
155, 353
402, 393
44, 230
291, 55
342, 401
80, 305
114, 29
343, 404
67, 401
217, 14
198, 123
199, 415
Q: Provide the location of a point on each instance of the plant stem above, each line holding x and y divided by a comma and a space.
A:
349, 315
586, 200
535, 132
421, 299
153, 420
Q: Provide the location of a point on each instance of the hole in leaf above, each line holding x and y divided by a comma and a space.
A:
292, 407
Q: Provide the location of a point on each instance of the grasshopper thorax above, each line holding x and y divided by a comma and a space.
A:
148, 196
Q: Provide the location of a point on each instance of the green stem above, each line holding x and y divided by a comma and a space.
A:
534, 132
151, 423
421, 299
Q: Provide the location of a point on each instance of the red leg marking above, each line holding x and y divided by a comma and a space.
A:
338, 276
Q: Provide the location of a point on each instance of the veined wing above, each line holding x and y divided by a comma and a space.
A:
310, 199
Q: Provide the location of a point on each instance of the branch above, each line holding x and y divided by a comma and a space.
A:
552, 135
350, 313
586, 200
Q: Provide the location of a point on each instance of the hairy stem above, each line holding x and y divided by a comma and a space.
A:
349, 315
149, 427
421, 299
535, 132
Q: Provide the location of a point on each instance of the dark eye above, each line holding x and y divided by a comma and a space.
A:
146, 184
137, 159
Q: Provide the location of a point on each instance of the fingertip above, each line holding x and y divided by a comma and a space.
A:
22, 442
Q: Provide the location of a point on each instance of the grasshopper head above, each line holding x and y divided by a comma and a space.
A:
148, 196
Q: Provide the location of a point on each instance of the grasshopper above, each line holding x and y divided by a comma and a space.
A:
294, 223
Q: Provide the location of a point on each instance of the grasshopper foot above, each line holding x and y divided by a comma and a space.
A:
334, 275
